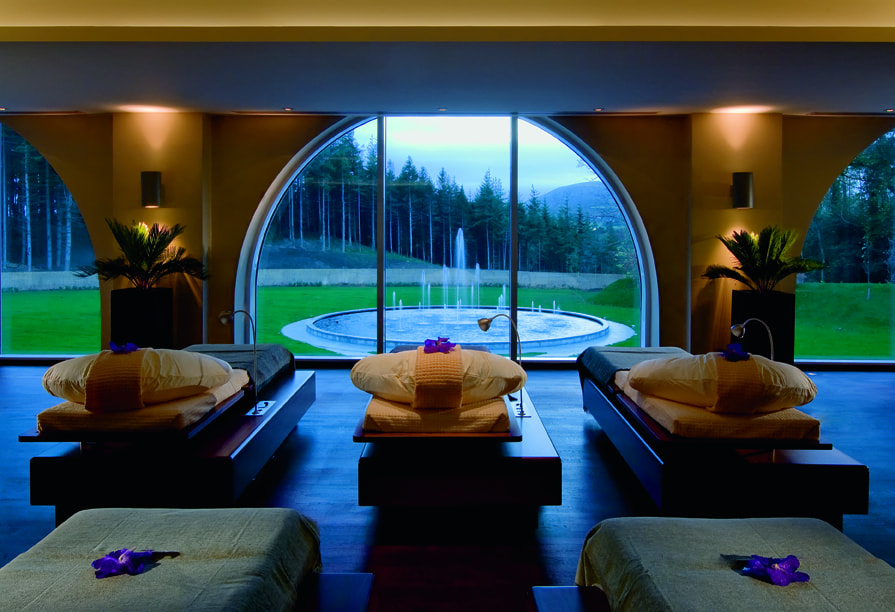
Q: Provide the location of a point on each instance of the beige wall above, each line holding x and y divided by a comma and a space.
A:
676, 169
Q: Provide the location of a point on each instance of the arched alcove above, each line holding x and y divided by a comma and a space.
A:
45, 309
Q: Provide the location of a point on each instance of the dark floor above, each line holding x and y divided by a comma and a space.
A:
464, 563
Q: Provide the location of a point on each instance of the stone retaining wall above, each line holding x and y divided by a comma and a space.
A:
434, 277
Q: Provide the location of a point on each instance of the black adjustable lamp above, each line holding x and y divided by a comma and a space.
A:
485, 325
739, 330
226, 317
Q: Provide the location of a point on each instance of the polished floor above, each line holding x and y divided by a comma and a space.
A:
465, 561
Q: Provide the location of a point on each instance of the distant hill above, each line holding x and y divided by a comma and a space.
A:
593, 198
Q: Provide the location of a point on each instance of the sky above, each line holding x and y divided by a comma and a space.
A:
467, 147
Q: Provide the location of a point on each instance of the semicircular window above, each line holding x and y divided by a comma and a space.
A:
845, 311
44, 308
453, 252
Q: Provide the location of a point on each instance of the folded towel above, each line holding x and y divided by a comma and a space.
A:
439, 379
114, 383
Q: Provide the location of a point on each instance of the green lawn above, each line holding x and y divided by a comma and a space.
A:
832, 320
60, 322
845, 320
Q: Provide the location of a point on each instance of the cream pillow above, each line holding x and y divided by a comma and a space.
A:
754, 385
392, 376
166, 374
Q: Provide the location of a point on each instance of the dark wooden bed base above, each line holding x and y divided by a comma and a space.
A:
209, 469
423, 474
713, 478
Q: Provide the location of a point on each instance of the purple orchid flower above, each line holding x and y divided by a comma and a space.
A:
735, 352
441, 345
124, 561
776, 571
130, 347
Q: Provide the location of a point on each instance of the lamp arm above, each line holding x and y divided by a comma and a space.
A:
231, 315
518, 355
739, 330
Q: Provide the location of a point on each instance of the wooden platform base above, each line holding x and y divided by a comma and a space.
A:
210, 470
727, 481
456, 472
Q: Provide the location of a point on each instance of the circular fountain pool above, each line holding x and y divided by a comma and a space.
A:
539, 330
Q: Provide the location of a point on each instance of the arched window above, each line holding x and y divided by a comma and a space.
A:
44, 308
845, 311
467, 218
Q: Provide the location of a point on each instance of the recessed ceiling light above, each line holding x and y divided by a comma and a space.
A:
598, 110
744, 110
288, 109
144, 108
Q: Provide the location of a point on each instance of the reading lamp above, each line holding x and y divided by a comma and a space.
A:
739, 331
485, 325
226, 317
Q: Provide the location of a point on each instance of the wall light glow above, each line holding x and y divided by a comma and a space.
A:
156, 129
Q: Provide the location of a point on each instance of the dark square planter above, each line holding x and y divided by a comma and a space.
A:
778, 310
144, 317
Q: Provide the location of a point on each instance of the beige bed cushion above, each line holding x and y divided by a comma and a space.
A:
750, 386
486, 416
645, 563
163, 417
234, 559
392, 376
696, 422
166, 374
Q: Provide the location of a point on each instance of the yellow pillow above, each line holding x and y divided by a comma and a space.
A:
392, 376
754, 385
166, 375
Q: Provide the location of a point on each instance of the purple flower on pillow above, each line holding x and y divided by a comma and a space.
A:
735, 352
776, 571
130, 347
124, 561
441, 345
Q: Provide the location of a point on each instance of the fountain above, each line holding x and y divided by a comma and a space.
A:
542, 330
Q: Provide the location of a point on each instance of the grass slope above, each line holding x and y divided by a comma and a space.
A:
848, 321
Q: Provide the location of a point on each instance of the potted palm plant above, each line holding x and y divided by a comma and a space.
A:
761, 263
144, 313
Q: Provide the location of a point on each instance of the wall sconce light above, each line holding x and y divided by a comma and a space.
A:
485, 325
151, 189
741, 190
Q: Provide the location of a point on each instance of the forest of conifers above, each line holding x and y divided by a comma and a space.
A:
330, 206
42, 228
852, 231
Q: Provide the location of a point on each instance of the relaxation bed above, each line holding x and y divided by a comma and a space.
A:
418, 391
660, 563
198, 559
441, 430
172, 428
715, 437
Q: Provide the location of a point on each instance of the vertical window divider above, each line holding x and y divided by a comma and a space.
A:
514, 234
380, 233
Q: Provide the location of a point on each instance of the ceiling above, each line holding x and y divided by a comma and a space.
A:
528, 77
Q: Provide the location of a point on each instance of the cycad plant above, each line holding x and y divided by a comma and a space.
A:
762, 260
147, 255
